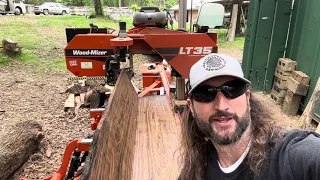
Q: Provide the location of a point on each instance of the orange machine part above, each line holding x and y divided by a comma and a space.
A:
121, 42
180, 49
149, 76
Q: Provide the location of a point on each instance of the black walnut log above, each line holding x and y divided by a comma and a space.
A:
17, 144
138, 138
113, 158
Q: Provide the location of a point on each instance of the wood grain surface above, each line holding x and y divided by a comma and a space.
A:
115, 145
157, 141
138, 139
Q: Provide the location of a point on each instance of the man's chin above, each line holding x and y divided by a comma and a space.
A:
225, 136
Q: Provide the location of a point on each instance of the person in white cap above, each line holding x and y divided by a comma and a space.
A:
227, 134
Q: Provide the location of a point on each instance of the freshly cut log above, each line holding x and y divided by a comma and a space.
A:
17, 144
115, 144
138, 138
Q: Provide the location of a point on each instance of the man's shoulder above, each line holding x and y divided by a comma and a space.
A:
295, 154
300, 142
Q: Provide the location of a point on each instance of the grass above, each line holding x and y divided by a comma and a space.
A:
43, 37
238, 42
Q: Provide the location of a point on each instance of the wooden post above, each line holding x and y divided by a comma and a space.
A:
306, 117
182, 14
233, 23
180, 88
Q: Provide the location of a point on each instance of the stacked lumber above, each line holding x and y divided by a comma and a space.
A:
297, 85
10, 47
86, 93
283, 71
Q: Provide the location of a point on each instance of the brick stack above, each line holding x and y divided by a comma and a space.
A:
297, 87
283, 71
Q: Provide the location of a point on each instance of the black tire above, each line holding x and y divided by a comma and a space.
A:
46, 12
17, 11
37, 13
63, 13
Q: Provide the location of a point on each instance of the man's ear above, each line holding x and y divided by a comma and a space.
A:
248, 94
190, 104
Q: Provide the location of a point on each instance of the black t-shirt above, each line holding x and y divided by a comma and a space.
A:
214, 172
295, 157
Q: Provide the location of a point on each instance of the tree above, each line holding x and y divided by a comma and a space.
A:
98, 8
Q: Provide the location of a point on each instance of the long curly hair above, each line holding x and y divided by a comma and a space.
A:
195, 149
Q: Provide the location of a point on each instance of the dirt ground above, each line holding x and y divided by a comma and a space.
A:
27, 95
236, 53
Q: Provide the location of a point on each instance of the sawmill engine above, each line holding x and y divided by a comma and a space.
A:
150, 17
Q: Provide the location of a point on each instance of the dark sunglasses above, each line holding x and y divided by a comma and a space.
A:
230, 90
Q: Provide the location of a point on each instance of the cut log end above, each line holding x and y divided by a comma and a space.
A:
24, 139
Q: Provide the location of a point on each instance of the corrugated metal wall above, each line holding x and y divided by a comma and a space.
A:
270, 37
304, 41
268, 22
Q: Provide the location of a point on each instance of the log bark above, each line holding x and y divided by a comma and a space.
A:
10, 47
9, 44
17, 144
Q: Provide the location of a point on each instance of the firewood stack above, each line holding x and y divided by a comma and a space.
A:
86, 93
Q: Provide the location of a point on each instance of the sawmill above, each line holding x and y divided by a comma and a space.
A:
135, 133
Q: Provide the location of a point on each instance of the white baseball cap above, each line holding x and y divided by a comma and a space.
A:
214, 65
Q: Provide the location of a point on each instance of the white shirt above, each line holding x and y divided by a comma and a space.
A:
234, 166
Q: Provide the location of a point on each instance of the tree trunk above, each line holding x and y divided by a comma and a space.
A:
238, 28
17, 144
98, 8
233, 23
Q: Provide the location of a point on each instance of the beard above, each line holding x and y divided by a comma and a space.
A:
205, 127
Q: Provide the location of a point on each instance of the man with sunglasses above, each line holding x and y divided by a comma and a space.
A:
227, 134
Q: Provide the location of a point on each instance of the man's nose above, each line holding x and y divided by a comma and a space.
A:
221, 102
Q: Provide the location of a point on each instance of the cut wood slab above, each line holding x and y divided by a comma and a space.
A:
69, 102
115, 145
157, 141
78, 104
82, 97
138, 138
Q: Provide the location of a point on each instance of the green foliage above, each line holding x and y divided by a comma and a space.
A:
171, 3
135, 7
